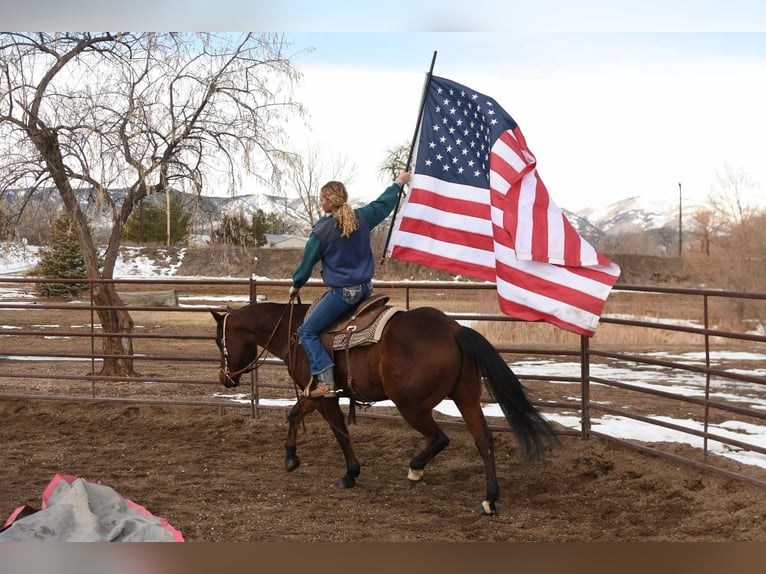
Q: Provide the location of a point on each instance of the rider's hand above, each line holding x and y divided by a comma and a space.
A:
403, 178
293, 291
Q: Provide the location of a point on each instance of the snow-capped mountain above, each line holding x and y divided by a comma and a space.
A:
629, 216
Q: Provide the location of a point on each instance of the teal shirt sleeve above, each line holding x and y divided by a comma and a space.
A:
377, 210
312, 254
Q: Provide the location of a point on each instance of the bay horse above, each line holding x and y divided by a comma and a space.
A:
422, 358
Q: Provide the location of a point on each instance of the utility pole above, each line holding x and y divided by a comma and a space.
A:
167, 216
680, 223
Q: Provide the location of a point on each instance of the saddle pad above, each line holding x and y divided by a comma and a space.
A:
368, 336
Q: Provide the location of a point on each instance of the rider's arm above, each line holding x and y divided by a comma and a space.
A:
312, 254
378, 209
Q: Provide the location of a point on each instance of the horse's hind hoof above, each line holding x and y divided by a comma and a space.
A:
347, 482
486, 508
415, 475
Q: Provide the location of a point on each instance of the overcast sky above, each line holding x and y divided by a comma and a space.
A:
615, 99
607, 115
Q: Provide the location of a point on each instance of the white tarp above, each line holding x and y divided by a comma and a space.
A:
77, 510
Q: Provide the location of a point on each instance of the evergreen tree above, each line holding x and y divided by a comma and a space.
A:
148, 223
62, 259
259, 228
235, 230
5, 223
263, 224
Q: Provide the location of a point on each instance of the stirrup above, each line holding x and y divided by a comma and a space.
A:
323, 390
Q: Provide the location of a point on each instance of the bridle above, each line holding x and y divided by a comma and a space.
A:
259, 359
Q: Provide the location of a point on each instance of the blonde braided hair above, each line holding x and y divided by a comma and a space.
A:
345, 218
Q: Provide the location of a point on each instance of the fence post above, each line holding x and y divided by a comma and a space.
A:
706, 320
585, 387
91, 290
254, 388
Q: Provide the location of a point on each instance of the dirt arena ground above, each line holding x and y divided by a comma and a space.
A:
217, 475
220, 477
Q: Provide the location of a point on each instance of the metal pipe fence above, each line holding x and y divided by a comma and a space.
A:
713, 405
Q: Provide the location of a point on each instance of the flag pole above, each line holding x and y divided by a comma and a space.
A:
409, 158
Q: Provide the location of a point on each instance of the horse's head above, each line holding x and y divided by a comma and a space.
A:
239, 334
237, 350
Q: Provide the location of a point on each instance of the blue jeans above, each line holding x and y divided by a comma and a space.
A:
332, 305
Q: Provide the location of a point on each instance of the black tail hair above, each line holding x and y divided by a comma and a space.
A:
528, 425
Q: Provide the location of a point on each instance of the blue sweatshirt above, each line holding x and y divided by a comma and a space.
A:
345, 260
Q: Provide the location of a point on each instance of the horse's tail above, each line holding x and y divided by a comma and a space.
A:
528, 425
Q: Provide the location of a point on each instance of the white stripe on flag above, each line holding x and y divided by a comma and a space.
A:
450, 190
461, 253
449, 220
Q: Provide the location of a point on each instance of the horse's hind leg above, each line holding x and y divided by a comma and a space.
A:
294, 419
422, 420
477, 425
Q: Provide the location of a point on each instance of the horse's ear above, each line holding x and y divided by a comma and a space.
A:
217, 316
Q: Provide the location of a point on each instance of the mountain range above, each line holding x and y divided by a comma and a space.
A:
625, 216
628, 216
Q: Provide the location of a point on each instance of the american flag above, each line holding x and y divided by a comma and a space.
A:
477, 207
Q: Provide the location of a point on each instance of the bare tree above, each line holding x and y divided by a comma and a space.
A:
733, 201
142, 113
309, 173
395, 162
704, 227
734, 205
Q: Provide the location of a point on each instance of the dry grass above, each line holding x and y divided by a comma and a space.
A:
656, 309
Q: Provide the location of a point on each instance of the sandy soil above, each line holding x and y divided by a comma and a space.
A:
220, 477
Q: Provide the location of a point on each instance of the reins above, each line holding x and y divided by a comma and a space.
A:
257, 361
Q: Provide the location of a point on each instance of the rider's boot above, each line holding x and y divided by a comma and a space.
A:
325, 385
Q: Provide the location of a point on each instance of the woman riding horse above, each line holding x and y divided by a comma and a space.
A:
341, 241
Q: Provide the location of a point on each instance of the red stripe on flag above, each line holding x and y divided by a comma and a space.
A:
446, 234
516, 142
572, 243
449, 204
528, 314
443, 263
540, 231
550, 289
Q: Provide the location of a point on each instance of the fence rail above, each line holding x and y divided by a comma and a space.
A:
713, 406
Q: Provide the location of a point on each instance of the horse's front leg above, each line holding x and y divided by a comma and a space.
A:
301, 408
329, 408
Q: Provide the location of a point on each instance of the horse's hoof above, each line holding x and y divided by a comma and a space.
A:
347, 482
486, 508
291, 463
415, 475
